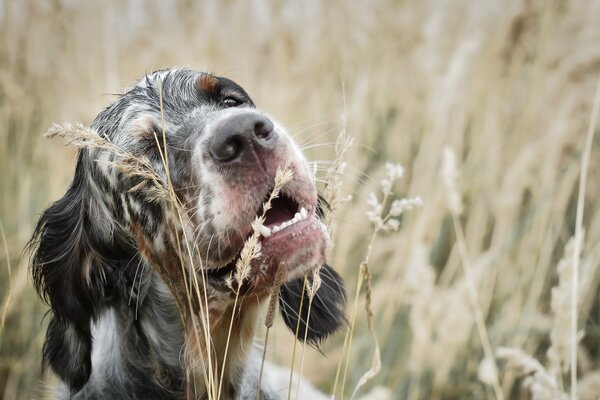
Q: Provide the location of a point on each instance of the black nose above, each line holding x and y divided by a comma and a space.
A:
233, 136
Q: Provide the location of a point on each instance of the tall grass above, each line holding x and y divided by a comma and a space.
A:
509, 85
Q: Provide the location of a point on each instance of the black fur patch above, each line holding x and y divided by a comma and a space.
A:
67, 349
326, 310
76, 269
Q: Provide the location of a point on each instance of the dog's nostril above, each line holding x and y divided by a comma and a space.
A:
263, 128
228, 149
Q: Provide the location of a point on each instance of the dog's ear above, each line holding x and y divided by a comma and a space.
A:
72, 253
326, 310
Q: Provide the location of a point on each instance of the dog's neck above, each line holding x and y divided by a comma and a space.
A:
218, 330
215, 333
147, 343
217, 360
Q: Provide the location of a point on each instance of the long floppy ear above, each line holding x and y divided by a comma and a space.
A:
326, 310
73, 252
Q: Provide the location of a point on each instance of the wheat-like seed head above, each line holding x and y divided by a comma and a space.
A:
252, 247
561, 302
389, 221
541, 383
84, 137
450, 176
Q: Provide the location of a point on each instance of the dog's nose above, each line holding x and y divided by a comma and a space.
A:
235, 135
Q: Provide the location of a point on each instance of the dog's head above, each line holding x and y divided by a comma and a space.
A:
203, 136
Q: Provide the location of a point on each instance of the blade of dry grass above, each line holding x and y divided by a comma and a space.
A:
7, 298
450, 175
296, 332
585, 161
279, 280
311, 290
250, 251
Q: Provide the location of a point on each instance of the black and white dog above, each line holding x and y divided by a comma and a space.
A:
107, 255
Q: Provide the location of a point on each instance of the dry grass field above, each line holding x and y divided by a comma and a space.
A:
488, 106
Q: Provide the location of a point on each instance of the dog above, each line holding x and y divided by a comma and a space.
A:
131, 277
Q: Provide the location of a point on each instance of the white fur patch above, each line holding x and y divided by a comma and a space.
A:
106, 351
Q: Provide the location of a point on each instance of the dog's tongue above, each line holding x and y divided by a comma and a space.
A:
282, 209
277, 215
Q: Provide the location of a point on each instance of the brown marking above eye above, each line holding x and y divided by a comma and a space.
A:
207, 83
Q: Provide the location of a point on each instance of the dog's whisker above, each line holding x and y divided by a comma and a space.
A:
297, 131
316, 136
316, 145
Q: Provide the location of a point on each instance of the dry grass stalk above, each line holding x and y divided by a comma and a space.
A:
383, 222
542, 384
311, 289
200, 354
585, 161
334, 180
83, 137
9, 294
279, 280
450, 175
335, 173
559, 353
331, 194
250, 251
296, 332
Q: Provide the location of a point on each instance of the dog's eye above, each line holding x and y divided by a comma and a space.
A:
231, 102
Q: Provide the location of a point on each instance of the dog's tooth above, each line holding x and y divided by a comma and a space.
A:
265, 231
303, 212
275, 229
298, 216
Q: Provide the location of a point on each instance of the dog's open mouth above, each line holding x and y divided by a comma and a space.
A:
283, 216
291, 236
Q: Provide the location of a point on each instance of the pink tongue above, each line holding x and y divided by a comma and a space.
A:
277, 215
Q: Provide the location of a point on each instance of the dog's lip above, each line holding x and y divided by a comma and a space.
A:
287, 229
289, 240
278, 246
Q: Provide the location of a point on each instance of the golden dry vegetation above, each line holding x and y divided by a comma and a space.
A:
506, 86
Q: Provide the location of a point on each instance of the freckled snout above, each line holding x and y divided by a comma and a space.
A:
241, 134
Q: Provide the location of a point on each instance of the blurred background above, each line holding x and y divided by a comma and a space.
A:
508, 85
